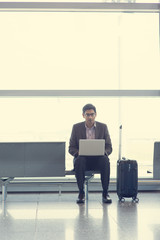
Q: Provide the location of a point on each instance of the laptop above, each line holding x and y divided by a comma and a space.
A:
91, 147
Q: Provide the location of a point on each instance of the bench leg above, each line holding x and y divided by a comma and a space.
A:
87, 180
86, 190
4, 192
60, 189
4, 183
4, 209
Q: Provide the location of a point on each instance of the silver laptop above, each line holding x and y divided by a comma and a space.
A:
91, 147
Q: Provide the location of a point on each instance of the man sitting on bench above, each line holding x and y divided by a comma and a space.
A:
91, 129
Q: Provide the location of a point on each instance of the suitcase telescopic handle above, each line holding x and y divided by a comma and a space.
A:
120, 142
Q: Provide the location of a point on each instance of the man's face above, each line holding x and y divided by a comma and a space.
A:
89, 117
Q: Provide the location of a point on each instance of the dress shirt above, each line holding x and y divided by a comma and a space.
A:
90, 132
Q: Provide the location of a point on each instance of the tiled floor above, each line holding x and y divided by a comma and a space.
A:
53, 217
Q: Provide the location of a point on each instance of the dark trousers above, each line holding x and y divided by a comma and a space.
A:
99, 163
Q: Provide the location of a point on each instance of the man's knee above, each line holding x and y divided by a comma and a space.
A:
104, 161
80, 161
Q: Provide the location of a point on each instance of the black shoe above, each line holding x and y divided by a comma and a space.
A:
81, 198
106, 199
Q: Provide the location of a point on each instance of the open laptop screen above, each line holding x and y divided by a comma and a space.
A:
91, 147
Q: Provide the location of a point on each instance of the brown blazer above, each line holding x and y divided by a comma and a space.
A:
79, 132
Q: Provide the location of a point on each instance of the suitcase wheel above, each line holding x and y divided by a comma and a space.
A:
135, 199
121, 199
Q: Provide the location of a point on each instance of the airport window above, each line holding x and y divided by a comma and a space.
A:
81, 51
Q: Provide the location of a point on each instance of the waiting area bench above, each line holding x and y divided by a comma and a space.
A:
34, 159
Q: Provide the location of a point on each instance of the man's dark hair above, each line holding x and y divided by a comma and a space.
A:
89, 107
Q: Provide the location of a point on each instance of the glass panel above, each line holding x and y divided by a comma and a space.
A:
51, 119
58, 50
140, 120
139, 51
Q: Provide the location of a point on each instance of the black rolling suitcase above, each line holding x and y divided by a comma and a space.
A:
127, 177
